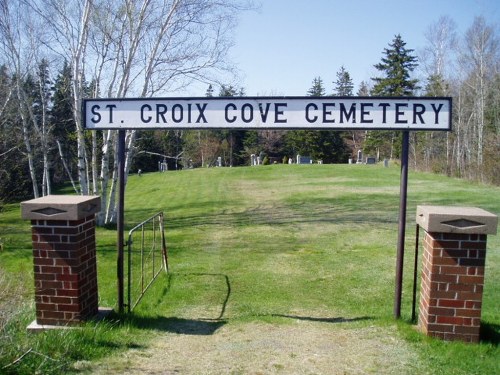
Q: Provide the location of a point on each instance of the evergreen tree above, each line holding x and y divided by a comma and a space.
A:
364, 89
343, 84
317, 88
230, 90
210, 91
396, 66
436, 86
63, 124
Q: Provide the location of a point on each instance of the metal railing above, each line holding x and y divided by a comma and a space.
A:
147, 257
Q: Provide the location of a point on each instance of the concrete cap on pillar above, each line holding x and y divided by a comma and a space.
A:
446, 219
60, 207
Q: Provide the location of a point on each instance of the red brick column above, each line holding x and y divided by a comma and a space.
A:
452, 285
65, 270
453, 271
64, 258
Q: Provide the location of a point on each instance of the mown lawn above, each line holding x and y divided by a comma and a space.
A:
259, 243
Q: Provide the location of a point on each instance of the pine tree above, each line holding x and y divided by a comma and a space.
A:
317, 88
396, 66
210, 91
63, 124
436, 86
363, 89
343, 84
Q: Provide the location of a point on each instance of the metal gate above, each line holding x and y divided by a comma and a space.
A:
146, 257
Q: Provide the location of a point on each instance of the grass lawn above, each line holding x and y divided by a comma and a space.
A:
258, 244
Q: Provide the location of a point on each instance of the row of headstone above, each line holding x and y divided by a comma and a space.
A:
256, 160
369, 160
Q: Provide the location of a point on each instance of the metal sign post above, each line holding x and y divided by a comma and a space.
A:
120, 218
403, 193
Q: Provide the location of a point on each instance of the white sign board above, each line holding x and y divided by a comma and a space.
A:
363, 113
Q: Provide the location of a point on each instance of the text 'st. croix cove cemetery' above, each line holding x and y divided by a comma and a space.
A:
377, 113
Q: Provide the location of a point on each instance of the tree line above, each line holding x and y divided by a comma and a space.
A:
54, 53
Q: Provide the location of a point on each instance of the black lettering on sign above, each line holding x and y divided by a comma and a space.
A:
326, 113
144, 108
95, 111
384, 111
314, 118
418, 111
247, 113
161, 109
226, 113
201, 114
111, 106
264, 112
177, 113
365, 113
346, 114
279, 112
400, 113
436, 112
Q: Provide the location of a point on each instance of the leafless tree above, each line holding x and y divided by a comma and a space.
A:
480, 61
133, 48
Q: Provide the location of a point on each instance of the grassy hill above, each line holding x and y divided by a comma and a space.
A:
264, 243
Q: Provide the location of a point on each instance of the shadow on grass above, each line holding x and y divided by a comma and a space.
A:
204, 326
490, 333
224, 277
201, 326
324, 320
196, 327
375, 208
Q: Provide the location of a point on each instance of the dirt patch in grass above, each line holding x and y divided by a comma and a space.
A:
299, 347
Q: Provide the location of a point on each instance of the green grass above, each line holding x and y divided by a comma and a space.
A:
262, 243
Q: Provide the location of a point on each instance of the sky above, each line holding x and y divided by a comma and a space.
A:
280, 48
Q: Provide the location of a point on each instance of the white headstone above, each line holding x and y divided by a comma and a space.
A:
360, 157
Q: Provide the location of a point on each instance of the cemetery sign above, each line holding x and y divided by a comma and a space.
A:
363, 113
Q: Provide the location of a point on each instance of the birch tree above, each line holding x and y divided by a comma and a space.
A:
479, 59
18, 58
437, 60
134, 48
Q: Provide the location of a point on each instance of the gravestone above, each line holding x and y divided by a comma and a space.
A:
304, 159
359, 160
371, 160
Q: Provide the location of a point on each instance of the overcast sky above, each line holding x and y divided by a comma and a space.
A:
283, 46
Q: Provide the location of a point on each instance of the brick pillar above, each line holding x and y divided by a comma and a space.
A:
64, 258
453, 270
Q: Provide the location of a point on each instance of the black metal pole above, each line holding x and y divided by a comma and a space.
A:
403, 190
120, 217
